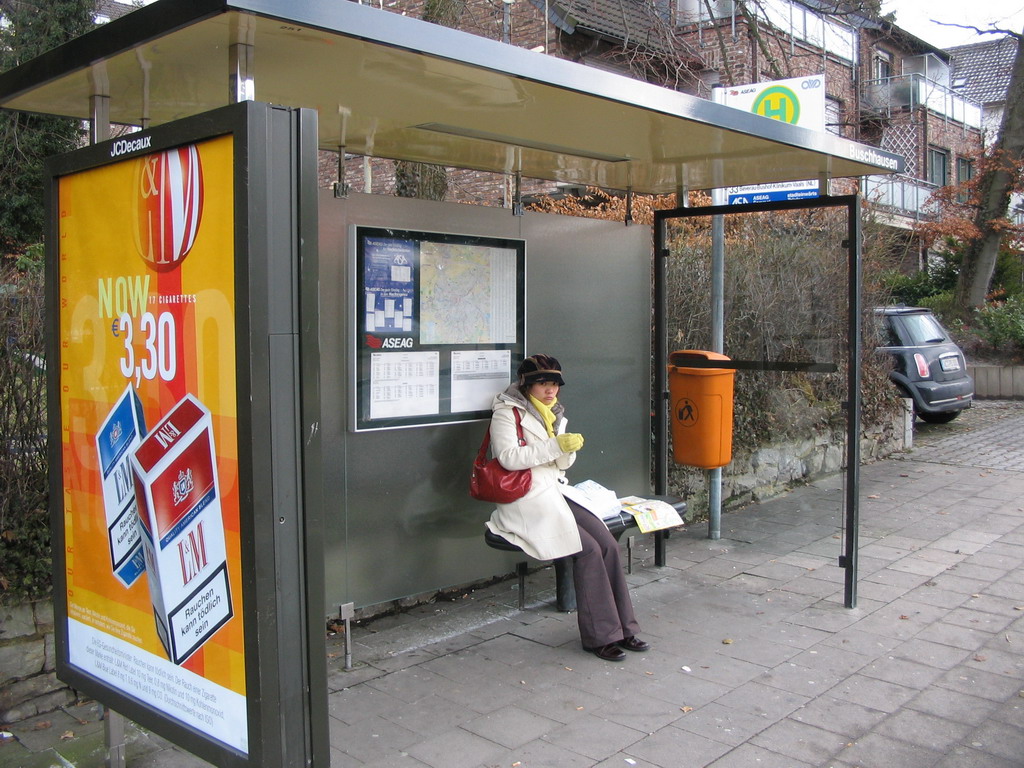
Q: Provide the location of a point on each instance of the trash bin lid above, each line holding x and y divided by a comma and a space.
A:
691, 356
694, 362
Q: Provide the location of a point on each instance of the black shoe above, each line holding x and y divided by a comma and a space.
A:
610, 652
633, 644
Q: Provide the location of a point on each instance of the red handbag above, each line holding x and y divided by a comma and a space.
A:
491, 481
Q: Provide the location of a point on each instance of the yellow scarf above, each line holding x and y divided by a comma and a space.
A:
546, 415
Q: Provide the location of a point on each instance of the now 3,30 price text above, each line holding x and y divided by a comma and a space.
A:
158, 355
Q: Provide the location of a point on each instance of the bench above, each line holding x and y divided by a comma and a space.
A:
565, 591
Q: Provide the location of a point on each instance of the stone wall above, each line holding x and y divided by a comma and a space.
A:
28, 680
997, 382
774, 469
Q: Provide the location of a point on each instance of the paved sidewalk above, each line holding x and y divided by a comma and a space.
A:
755, 661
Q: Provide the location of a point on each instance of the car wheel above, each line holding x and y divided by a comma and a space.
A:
938, 418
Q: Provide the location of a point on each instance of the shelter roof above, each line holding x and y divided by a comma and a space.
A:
389, 86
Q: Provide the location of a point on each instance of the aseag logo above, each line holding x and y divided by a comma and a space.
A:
169, 205
388, 342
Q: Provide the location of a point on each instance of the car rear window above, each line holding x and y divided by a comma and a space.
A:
923, 329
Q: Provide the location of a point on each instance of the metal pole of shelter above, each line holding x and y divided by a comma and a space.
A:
717, 341
113, 736
660, 376
853, 414
99, 120
714, 476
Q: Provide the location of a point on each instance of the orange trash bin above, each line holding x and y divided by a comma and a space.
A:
701, 410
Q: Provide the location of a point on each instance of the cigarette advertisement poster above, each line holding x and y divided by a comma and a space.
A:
149, 444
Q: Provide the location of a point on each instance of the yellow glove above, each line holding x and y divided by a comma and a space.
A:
570, 441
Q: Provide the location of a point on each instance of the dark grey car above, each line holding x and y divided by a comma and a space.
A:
927, 365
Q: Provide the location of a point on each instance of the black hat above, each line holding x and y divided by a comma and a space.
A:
540, 368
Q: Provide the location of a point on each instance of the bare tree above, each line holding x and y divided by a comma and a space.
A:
993, 193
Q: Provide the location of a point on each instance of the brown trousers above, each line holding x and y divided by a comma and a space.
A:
604, 609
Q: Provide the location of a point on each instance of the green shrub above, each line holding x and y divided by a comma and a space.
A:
1002, 322
944, 306
911, 290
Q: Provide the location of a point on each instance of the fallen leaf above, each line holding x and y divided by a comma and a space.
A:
904, 617
1018, 607
569, 669
686, 709
579, 709
979, 657
685, 669
648, 673
727, 641
42, 725
67, 735
874, 496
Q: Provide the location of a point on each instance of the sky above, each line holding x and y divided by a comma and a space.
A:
919, 16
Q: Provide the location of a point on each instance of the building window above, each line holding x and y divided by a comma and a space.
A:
964, 169
882, 64
833, 116
938, 166
964, 173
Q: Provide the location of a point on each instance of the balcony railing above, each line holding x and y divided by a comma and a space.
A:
911, 91
1017, 214
903, 195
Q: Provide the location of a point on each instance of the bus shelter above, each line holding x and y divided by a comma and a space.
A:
265, 397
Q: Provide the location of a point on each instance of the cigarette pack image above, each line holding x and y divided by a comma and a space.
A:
182, 529
118, 437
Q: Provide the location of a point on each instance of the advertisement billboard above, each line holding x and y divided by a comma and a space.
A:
154, 464
152, 547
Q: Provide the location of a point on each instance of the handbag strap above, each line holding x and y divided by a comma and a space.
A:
482, 453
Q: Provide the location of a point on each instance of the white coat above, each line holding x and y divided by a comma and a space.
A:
540, 523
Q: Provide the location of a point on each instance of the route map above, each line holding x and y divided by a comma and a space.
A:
467, 294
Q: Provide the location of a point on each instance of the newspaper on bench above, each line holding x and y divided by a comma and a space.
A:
651, 514
593, 497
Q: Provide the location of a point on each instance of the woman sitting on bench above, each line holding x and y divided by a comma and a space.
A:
545, 524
